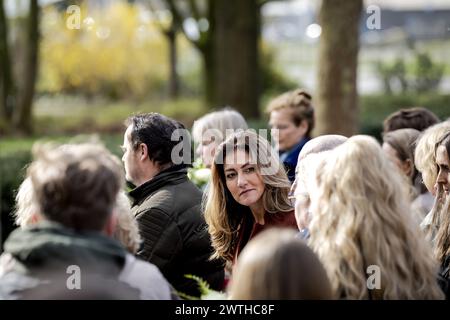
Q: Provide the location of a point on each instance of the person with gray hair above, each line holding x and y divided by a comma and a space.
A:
65, 242
311, 154
210, 130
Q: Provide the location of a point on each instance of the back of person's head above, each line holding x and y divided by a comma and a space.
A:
403, 141
361, 217
76, 184
425, 152
159, 133
219, 122
276, 265
418, 118
127, 230
298, 102
26, 209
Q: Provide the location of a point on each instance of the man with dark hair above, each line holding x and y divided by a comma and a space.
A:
413, 118
167, 205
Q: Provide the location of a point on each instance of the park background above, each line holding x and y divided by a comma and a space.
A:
80, 67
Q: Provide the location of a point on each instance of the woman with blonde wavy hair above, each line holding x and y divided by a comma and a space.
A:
248, 194
362, 230
425, 160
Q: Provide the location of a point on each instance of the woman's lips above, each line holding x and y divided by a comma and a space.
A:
245, 191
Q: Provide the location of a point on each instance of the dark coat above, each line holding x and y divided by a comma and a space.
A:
290, 157
174, 232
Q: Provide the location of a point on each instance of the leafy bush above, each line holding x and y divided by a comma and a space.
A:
12, 171
424, 75
117, 55
272, 80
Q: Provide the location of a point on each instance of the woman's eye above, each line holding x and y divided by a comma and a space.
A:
230, 175
249, 170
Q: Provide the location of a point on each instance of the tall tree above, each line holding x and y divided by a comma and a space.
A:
236, 53
204, 19
337, 109
229, 49
23, 114
169, 28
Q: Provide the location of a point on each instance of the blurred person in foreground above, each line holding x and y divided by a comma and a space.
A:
362, 231
277, 266
64, 248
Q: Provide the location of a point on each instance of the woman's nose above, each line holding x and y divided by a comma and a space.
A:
242, 181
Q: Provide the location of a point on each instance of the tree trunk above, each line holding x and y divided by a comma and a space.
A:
5, 73
23, 115
236, 52
174, 80
337, 109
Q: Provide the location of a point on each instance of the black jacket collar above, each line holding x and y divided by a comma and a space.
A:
173, 175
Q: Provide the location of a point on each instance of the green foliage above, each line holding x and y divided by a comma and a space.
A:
199, 174
62, 115
423, 75
272, 80
428, 74
118, 55
206, 293
392, 74
12, 171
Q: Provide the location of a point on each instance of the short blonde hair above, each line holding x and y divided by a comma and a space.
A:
127, 230
425, 153
219, 121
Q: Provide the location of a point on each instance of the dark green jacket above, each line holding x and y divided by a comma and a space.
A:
38, 263
175, 237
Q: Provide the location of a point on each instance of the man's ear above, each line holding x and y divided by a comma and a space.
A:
143, 152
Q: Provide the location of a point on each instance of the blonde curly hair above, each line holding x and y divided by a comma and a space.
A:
361, 218
127, 230
425, 153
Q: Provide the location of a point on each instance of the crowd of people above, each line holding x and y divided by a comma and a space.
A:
297, 217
